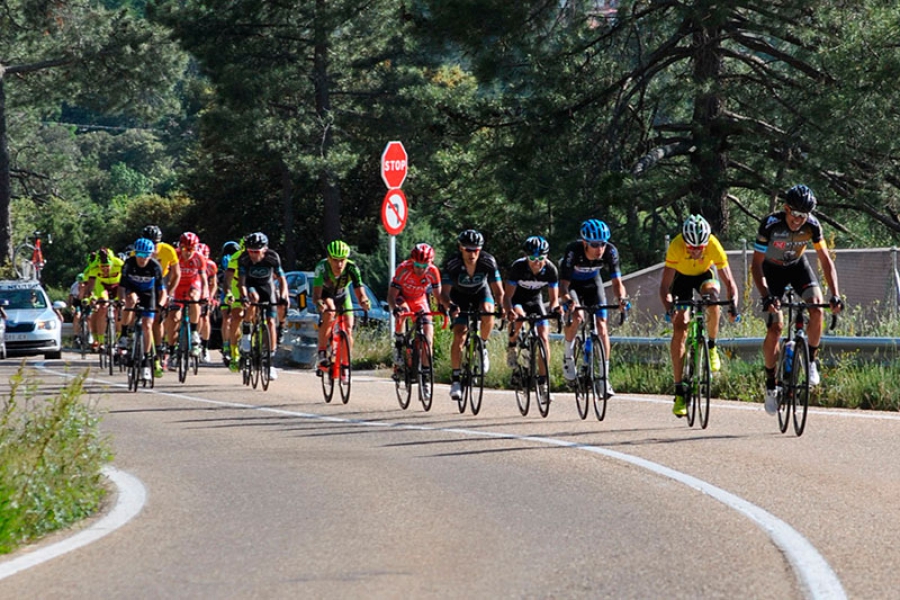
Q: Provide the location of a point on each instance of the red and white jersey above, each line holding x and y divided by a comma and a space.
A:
412, 286
191, 267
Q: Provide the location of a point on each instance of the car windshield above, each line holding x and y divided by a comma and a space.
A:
23, 299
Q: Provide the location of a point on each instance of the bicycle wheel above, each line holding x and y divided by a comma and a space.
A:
704, 383
327, 376
476, 389
582, 400
345, 368
688, 380
599, 381
110, 348
785, 380
522, 377
22, 261
84, 335
183, 351
465, 379
137, 359
246, 367
404, 377
800, 399
254, 357
424, 371
265, 356
541, 362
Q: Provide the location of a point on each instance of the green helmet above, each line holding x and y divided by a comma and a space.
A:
338, 249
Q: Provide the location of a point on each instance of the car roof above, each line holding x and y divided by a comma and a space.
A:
19, 284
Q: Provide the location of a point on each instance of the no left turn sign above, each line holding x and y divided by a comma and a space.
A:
394, 211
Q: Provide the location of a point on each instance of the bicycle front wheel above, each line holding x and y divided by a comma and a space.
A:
425, 371
110, 348
181, 355
327, 375
522, 381
785, 398
800, 399
599, 378
135, 370
540, 367
345, 366
582, 400
403, 378
689, 380
704, 383
476, 390
265, 356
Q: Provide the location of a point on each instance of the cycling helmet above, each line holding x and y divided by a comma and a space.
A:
594, 230
422, 253
152, 233
188, 240
203, 249
230, 248
801, 199
103, 256
695, 231
536, 246
144, 247
338, 249
470, 238
257, 240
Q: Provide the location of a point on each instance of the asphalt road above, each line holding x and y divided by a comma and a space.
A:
276, 494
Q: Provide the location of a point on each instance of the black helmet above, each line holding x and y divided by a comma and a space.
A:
801, 199
229, 248
536, 246
152, 233
255, 241
470, 238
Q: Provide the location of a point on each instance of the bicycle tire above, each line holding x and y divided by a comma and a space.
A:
523, 382
327, 376
465, 380
22, 261
110, 336
541, 361
403, 381
183, 351
246, 367
599, 380
785, 397
346, 370
137, 357
476, 390
254, 357
582, 401
800, 403
84, 331
265, 356
425, 372
704, 382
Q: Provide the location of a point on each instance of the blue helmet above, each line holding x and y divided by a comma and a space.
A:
536, 246
594, 230
144, 247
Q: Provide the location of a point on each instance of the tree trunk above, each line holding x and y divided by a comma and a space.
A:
331, 194
289, 254
710, 160
5, 181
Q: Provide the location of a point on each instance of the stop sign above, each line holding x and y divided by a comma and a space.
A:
393, 165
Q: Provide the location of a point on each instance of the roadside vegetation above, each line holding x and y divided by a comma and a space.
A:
51, 455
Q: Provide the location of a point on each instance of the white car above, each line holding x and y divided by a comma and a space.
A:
33, 324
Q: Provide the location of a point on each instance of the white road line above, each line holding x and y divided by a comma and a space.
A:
130, 501
816, 578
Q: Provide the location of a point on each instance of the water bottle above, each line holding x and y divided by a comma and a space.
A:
788, 356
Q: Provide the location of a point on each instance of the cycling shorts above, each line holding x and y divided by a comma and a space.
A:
589, 294
683, 286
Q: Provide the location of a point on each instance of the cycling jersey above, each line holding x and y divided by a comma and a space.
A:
466, 288
192, 270
146, 282
104, 285
334, 286
783, 246
167, 256
528, 284
678, 257
413, 287
577, 268
260, 275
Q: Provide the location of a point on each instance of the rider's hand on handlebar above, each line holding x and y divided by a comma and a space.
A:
837, 305
771, 303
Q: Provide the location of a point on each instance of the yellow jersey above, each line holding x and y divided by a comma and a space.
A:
167, 256
677, 257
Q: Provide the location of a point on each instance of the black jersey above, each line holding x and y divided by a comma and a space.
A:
576, 267
454, 274
262, 273
529, 285
142, 280
783, 246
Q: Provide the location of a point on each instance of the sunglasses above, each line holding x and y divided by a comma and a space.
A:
256, 250
537, 258
472, 249
694, 248
596, 244
419, 265
798, 214
142, 254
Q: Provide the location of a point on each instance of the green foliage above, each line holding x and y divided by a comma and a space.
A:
51, 453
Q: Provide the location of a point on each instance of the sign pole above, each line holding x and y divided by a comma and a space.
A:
394, 164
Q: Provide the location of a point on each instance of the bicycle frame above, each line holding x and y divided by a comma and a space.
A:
184, 358
256, 365
472, 361
532, 358
417, 357
137, 354
591, 382
339, 367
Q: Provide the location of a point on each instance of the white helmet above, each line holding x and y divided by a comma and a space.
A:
696, 231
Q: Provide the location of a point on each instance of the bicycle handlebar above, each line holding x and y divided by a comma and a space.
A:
416, 315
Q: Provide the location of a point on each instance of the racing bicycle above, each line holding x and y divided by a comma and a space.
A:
472, 361
136, 357
184, 356
256, 365
28, 257
416, 364
338, 367
532, 370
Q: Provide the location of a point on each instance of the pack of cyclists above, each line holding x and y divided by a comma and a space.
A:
160, 278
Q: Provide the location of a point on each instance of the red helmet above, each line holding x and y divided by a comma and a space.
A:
188, 240
203, 249
422, 253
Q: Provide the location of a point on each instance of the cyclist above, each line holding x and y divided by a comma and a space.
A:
167, 257
779, 260
470, 281
234, 308
192, 284
579, 272
102, 280
258, 268
525, 281
332, 276
75, 296
689, 261
142, 285
210, 294
413, 281
226, 292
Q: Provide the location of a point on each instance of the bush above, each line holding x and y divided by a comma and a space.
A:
51, 454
